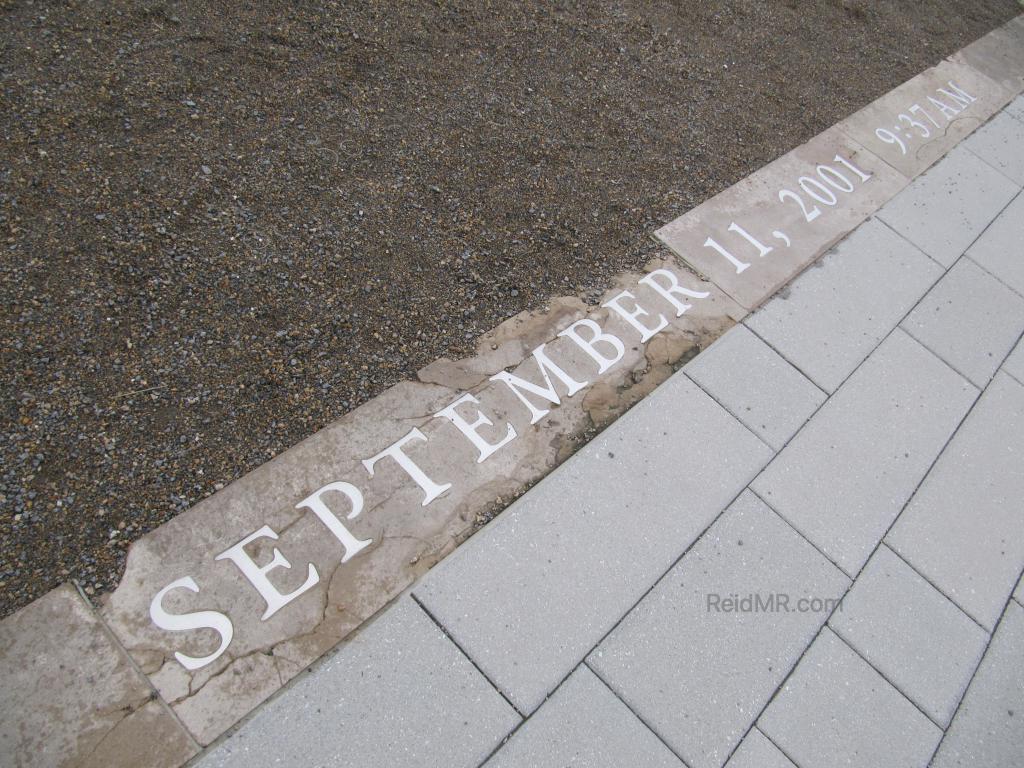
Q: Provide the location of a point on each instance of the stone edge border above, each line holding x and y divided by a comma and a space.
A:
124, 708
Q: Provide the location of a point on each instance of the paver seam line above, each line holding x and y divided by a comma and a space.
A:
853, 581
986, 162
469, 658
639, 600
635, 713
797, 367
798, 532
903, 237
999, 367
934, 586
154, 694
992, 274
772, 742
867, 661
974, 674
725, 408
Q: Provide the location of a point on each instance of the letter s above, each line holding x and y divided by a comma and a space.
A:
185, 621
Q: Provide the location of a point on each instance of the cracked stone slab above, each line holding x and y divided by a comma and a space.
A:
406, 536
794, 206
698, 674
835, 704
918, 122
72, 697
987, 729
961, 530
583, 723
999, 55
398, 694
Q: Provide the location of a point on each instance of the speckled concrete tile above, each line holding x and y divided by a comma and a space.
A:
836, 707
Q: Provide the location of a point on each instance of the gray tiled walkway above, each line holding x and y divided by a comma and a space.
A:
671, 595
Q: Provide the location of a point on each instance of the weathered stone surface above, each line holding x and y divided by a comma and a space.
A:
1000, 143
754, 205
72, 697
925, 142
406, 535
998, 250
999, 55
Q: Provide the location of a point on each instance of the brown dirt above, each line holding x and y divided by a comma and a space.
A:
225, 225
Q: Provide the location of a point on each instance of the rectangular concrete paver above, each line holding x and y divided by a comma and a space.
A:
56, 662
832, 316
945, 210
970, 320
1014, 364
987, 730
1000, 143
845, 477
836, 710
757, 751
539, 587
1000, 249
399, 694
584, 724
1016, 108
999, 55
962, 530
756, 385
910, 632
698, 674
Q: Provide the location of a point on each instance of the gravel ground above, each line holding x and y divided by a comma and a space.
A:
225, 225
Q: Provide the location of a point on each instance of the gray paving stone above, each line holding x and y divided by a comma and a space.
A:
583, 723
757, 751
71, 696
962, 528
698, 675
911, 633
1000, 143
530, 595
847, 474
970, 320
1014, 364
987, 730
756, 385
945, 210
836, 710
1018, 594
1000, 249
1016, 108
831, 318
399, 694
